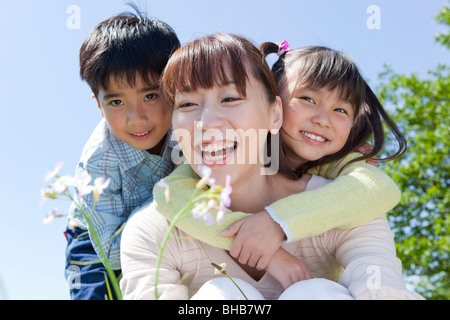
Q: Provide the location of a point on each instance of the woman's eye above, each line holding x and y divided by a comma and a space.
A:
186, 105
231, 99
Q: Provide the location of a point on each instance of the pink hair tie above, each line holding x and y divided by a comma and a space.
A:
283, 47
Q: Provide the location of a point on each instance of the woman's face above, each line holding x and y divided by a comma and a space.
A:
224, 130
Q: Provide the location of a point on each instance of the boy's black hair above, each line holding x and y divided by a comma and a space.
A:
124, 46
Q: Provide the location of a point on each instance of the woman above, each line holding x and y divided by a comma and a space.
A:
221, 84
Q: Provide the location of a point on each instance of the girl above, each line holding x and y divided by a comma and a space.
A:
223, 82
328, 111
321, 78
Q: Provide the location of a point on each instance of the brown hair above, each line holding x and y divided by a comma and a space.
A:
204, 62
320, 67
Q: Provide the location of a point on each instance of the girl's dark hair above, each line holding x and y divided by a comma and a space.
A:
320, 67
204, 62
124, 46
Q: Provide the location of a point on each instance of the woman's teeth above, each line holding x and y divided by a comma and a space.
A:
217, 151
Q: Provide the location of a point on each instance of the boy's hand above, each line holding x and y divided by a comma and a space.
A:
258, 238
287, 269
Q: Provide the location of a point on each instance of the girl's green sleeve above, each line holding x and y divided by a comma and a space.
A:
182, 182
359, 194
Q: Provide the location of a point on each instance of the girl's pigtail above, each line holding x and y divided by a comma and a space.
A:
278, 68
378, 134
267, 48
370, 127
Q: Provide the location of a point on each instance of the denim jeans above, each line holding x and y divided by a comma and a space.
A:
86, 282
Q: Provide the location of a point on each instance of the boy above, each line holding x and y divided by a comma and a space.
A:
121, 60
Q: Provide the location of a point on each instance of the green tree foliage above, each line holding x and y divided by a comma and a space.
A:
421, 221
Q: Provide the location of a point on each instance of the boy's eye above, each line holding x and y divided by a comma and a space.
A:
151, 96
116, 103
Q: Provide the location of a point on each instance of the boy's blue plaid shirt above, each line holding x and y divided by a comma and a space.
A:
133, 175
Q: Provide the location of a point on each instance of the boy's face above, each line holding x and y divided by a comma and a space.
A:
135, 115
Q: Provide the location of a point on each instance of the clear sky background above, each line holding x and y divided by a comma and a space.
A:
47, 112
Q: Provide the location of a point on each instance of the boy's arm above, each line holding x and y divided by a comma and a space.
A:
182, 182
358, 195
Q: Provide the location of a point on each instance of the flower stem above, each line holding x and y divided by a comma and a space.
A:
164, 242
103, 257
105, 261
224, 272
177, 217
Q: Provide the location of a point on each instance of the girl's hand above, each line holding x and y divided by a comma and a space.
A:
287, 269
258, 238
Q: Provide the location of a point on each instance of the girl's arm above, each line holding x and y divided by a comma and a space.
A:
182, 182
359, 194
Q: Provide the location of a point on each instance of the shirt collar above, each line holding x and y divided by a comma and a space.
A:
130, 157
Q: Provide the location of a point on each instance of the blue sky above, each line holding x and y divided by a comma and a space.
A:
48, 112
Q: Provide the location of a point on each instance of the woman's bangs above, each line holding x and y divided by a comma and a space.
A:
207, 64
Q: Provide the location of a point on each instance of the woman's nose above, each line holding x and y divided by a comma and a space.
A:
211, 117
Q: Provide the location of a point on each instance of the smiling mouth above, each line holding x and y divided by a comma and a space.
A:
141, 135
313, 137
217, 153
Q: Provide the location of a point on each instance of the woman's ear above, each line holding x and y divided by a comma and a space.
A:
277, 114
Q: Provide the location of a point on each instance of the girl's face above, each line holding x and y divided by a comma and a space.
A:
317, 123
220, 128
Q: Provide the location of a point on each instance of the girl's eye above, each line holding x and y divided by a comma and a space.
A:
116, 103
347, 110
307, 99
340, 110
150, 97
